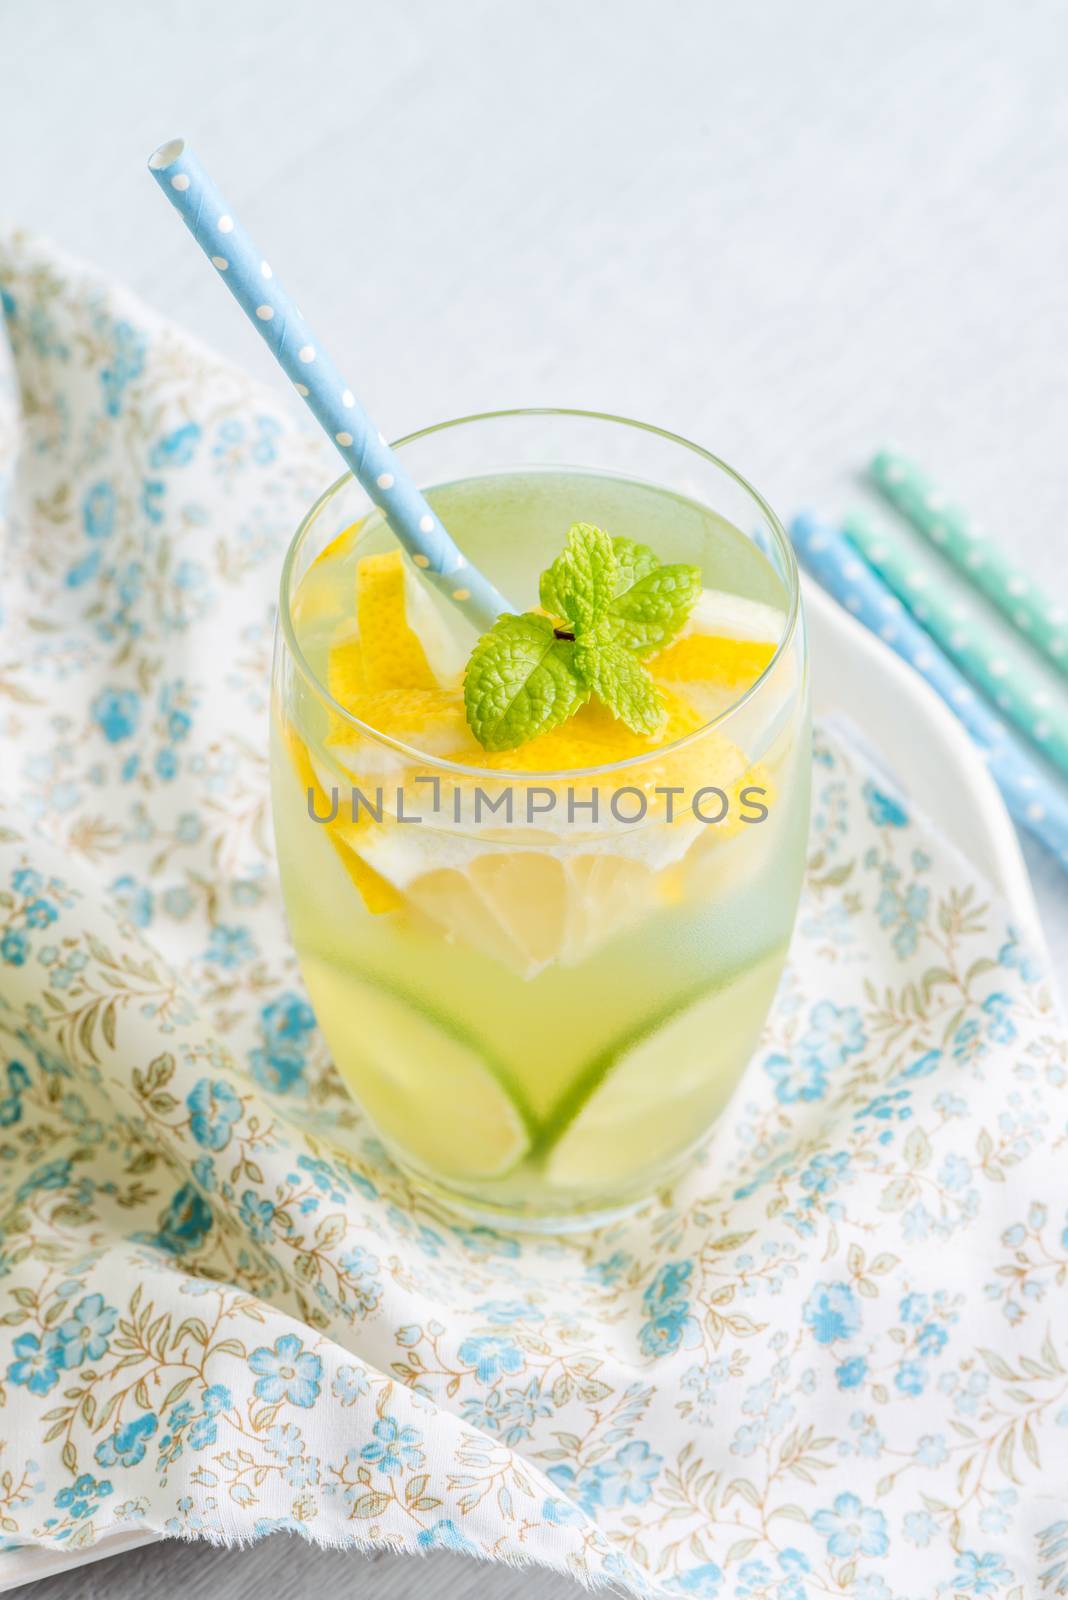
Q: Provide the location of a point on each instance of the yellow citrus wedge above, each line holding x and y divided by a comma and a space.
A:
593, 737
407, 644
431, 720
709, 658
393, 657
377, 893
346, 678
525, 908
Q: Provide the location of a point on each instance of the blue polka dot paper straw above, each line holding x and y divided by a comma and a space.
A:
1032, 798
363, 449
1041, 620
1012, 684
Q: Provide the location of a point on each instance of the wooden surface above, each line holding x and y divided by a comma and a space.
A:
788, 231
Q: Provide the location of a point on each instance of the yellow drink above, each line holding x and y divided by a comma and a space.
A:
541, 1009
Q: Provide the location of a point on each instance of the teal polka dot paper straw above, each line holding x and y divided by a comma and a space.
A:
1031, 795
276, 318
1017, 691
1040, 619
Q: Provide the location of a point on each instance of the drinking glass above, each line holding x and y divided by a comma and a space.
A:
540, 982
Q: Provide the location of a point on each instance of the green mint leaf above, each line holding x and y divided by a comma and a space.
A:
581, 582
633, 562
520, 681
647, 612
621, 683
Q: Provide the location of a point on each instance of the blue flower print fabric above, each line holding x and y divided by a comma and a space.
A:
832, 1362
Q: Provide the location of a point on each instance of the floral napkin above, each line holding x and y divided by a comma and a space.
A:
834, 1361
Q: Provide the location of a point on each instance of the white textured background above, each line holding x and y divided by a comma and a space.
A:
790, 230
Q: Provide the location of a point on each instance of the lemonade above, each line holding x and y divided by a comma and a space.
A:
541, 969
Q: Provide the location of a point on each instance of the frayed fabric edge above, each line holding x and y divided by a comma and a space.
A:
122, 1538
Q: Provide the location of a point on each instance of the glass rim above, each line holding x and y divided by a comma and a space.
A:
498, 774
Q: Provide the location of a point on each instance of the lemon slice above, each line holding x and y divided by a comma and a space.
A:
727, 642
593, 737
707, 658
406, 643
527, 908
432, 721
724, 615
377, 893
430, 1089
346, 678
652, 1097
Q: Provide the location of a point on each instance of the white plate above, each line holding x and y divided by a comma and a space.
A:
18, 1567
916, 738
904, 726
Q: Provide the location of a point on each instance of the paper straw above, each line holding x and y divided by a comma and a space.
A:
1031, 796
1042, 622
1015, 688
275, 317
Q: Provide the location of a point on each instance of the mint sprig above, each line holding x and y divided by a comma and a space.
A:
610, 602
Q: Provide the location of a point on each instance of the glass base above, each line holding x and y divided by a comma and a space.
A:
512, 1219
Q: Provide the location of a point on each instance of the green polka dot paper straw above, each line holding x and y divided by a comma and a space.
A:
966, 638
1042, 621
276, 318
